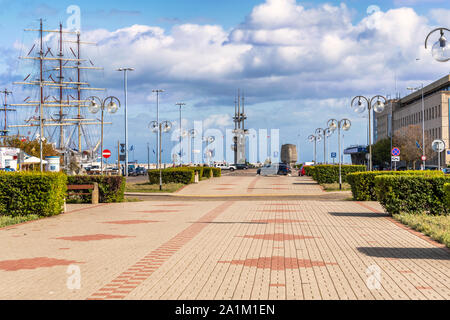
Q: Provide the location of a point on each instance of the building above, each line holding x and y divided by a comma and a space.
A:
357, 154
407, 111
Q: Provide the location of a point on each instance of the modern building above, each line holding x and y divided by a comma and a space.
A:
407, 111
357, 154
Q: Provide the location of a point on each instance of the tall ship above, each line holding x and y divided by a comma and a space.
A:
56, 91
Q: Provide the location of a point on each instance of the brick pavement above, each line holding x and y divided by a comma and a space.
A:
265, 249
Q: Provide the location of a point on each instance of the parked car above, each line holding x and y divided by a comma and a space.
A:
241, 166
140, 171
7, 169
225, 166
274, 168
446, 170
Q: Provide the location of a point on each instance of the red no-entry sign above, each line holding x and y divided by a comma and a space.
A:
106, 154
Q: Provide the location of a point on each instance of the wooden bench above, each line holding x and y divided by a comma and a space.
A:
93, 187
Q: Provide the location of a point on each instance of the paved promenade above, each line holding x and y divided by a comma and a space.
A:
227, 249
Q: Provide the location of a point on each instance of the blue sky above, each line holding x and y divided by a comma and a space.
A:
299, 62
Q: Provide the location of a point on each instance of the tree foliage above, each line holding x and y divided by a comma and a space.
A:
381, 152
405, 138
31, 147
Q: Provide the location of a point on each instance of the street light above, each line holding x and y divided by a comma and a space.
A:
359, 107
97, 104
208, 141
156, 127
313, 138
125, 89
180, 104
325, 133
423, 124
157, 91
441, 49
192, 134
345, 125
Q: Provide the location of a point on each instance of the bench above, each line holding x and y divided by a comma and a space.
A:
93, 187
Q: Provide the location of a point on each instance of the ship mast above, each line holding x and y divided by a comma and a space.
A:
4, 131
62, 84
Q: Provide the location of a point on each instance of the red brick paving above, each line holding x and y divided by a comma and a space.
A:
277, 221
279, 263
278, 237
131, 221
158, 211
92, 237
33, 263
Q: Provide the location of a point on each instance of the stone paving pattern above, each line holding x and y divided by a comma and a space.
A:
264, 249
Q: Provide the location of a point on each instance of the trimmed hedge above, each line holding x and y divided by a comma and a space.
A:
309, 171
447, 194
26, 193
110, 188
207, 172
363, 183
327, 173
172, 175
217, 172
412, 193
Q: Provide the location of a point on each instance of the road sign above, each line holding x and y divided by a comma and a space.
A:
333, 154
423, 158
395, 151
438, 145
106, 153
395, 158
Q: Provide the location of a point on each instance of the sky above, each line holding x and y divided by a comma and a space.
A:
298, 62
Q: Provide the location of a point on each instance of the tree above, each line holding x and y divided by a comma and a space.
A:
405, 138
381, 152
31, 147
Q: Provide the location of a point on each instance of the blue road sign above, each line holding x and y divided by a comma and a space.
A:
395, 151
333, 154
418, 145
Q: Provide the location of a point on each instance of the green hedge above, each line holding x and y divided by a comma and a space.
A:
447, 194
111, 188
309, 171
412, 193
217, 172
207, 172
172, 175
363, 183
26, 193
327, 173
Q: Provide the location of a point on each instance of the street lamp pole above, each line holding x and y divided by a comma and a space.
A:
345, 125
423, 123
159, 128
378, 107
97, 104
180, 104
125, 88
158, 91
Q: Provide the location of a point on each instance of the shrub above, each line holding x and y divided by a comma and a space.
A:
27, 193
412, 193
447, 194
217, 172
110, 188
363, 183
207, 172
330, 173
309, 170
172, 175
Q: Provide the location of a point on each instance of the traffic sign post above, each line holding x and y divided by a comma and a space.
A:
438, 146
395, 152
106, 153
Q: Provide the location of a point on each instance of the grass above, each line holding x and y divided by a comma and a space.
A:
436, 227
131, 199
335, 186
147, 187
8, 220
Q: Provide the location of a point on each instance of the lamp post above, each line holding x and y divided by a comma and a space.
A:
208, 141
325, 133
125, 89
156, 127
192, 134
314, 138
157, 91
180, 104
111, 106
441, 49
423, 123
358, 106
345, 125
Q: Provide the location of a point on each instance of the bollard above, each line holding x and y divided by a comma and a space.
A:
196, 177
